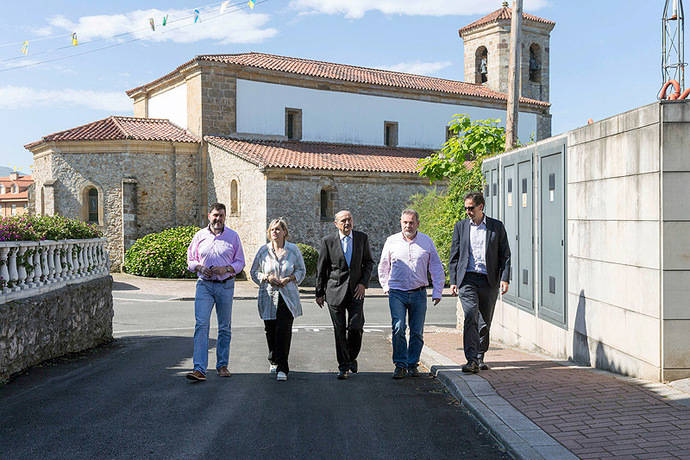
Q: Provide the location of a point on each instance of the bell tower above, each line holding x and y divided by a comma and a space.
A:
487, 52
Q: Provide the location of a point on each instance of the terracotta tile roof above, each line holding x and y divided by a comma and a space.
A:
320, 155
117, 128
502, 14
343, 72
21, 196
22, 181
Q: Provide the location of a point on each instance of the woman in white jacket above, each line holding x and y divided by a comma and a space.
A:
278, 269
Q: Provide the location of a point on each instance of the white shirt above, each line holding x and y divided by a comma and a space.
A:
477, 262
266, 263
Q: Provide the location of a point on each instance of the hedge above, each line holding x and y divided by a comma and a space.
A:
310, 256
161, 255
37, 228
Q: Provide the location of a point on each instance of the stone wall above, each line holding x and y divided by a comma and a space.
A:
166, 184
250, 220
375, 200
68, 320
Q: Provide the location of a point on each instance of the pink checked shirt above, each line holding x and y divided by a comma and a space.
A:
404, 264
212, 250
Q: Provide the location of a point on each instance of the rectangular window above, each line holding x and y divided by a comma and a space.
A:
449, 133
390, 133
293, 123
14, 209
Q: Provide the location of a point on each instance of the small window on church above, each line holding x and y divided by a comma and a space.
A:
92, 206
534, 63
481, 65
234, 198
327, 199
293, 123
390, 133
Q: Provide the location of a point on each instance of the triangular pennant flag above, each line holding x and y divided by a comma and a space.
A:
223, 6
25, 47
165, 19
251, 4
196, 15
74, 39
152, 23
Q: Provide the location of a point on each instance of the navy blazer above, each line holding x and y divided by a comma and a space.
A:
334, 279
497, 252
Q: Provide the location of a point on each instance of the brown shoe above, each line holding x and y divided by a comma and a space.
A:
196, 376
223, 371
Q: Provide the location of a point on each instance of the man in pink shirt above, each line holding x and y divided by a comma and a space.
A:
406, 260
216, 255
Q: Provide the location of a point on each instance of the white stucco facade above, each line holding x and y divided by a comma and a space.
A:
170, 104
331, 116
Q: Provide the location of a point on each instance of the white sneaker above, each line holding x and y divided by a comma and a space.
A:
273, 368
281, 377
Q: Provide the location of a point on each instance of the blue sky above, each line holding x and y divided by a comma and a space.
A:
605, 55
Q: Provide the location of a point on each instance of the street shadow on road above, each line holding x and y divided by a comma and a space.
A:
120, 286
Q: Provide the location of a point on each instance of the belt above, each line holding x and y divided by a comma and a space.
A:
218, 281
420, 288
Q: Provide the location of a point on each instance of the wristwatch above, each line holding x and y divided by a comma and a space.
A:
227, 269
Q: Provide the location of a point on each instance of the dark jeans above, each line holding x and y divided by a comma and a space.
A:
478, 300
348, 330
279, 336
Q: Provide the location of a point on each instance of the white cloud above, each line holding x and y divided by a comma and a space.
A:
236, 26
21, 97
357, 8
419, 67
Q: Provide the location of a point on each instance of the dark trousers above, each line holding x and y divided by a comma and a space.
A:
279, 336
478, 300
348, 325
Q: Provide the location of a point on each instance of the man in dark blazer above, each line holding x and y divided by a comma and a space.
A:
479, 261
343, 273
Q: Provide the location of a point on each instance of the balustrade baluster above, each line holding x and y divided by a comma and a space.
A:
12, 267
4, 272
38, 270
58, 262
29, 264
51, 262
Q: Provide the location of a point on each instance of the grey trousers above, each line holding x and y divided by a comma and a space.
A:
478, 300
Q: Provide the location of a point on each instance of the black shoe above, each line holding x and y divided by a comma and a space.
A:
353, 366
399, 373
471, 367
482, 365
413, 372
342, 375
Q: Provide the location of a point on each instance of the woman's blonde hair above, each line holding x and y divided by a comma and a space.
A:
279, 221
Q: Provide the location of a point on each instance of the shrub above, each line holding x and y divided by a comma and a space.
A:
161, 255
310, 256
36, 228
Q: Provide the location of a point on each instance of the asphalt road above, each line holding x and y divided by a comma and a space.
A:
129, 399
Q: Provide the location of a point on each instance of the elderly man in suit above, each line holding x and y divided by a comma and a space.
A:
343, 271
479, 261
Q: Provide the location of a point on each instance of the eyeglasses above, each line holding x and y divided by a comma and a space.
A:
469, 208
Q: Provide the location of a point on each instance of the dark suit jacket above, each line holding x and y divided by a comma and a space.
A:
334, 278
497, 252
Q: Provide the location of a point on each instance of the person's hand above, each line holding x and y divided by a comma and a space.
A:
453, 289
504, 287
220, 270
319, 301
273, 280
285, 281
436, 301
359, 292
205, 272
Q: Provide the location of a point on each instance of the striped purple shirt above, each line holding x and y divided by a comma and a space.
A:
212, 250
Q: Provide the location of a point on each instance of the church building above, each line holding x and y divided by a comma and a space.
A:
274, 136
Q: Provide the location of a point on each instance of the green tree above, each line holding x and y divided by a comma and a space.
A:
459, 163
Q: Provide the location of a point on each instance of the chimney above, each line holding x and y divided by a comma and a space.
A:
14, 175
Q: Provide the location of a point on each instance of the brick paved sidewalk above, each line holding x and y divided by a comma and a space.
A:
592, 413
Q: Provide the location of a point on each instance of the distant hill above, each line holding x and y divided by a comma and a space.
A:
5, 171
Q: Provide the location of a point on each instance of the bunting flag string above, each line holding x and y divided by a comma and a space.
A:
224, 7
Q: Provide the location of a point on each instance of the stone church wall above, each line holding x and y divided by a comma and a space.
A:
375, 200
250, 220
166, 185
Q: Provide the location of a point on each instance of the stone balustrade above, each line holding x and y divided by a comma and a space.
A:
29, 268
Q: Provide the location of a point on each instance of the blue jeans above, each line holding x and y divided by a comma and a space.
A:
413, 305
207, 294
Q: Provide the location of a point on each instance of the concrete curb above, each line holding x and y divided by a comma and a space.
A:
518, 434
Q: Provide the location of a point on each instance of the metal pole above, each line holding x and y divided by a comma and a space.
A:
514, 80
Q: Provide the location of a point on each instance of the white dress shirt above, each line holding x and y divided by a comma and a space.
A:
477, 262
